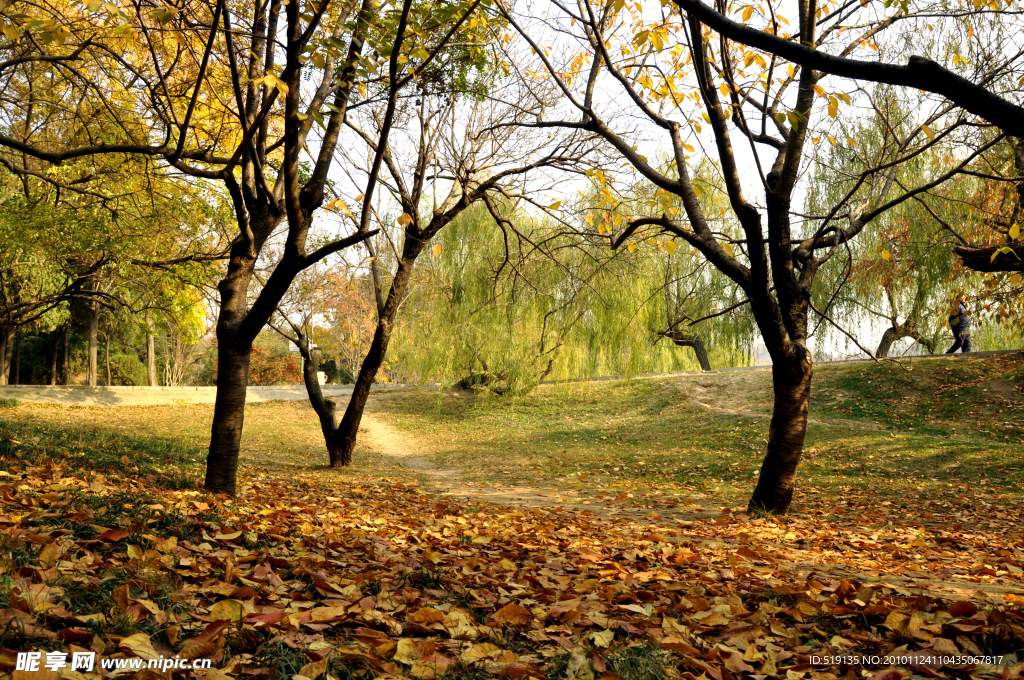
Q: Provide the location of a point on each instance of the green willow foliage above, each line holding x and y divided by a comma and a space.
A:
550, 303
901, 272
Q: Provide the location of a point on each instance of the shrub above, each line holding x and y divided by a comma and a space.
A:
127, 369
9, 403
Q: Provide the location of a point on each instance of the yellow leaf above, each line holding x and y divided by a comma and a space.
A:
140, 646
885, 255
227, 610
748, 12
555, 205
1015, 231
426, 615
437, 249
1015, 279
928, 131
725, 89
49, 554
404, 219
407, 651
727, 247
631, 247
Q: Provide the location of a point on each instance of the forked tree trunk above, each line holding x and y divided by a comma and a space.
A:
791, 381
228, 415
93, 333
324, 408
683, 340
348, 429
233, 356
904, 330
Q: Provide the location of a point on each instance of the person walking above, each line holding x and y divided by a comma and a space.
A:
960, 324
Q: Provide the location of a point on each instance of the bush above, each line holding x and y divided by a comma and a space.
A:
9, 403
127, 369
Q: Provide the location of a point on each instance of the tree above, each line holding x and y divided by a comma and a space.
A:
227, 94
677, 77
920, 72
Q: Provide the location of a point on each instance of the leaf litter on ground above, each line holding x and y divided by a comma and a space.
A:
297, 578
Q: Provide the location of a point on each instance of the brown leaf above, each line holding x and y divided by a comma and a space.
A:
513, 614
963, 609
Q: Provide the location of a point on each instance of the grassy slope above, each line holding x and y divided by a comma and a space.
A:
876, 429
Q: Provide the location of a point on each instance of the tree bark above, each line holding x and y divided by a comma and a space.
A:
6, 345
93, 333
150, 353
228, 416
982, 260
324, 408
683, 340
106, 352
791, 381
348, 430
904, 330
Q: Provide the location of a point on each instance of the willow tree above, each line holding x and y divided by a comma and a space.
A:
672, 73
507, 303
226, 93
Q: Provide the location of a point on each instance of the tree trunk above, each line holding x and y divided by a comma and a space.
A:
324, 408
65, 373
228, 415
6, 345
791, 381
348, 430
54, 346
94, 325
106, 353
907, 329
683, 340
16, 370
891, 335
150, 353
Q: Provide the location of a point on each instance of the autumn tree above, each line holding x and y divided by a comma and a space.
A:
678, 77
241, 95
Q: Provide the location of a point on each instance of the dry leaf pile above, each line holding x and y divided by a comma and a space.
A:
299, 579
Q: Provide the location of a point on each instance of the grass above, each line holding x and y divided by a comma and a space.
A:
168, 442
881, 429
873, 428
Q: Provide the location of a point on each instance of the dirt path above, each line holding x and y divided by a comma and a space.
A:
420, 458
